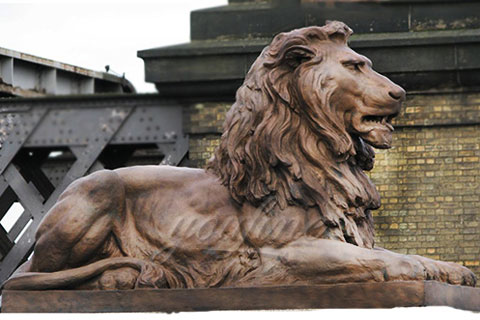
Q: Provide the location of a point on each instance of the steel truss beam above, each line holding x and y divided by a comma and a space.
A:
47, 143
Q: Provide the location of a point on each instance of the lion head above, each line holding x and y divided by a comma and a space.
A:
303, 126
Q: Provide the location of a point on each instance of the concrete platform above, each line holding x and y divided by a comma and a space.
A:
352, 295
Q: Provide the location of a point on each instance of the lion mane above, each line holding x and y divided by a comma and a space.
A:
279, 148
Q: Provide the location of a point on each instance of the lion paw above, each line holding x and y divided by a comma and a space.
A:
151, 276
448, 272
118, 279
402, 267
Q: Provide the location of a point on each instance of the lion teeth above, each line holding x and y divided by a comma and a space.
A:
376, 119
382, 120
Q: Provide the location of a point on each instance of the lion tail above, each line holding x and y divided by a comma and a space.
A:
65, 278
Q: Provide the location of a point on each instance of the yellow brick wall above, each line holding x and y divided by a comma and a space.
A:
429, 181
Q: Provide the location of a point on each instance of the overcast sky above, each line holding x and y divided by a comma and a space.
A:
92, 34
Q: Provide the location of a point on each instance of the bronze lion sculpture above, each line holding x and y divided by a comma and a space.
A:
285, 199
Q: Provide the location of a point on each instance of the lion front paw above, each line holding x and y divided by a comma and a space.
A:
403, 267
448, 272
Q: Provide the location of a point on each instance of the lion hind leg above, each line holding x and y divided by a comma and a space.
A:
76, 276
80, 223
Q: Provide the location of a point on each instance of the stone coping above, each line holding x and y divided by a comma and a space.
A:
350, 295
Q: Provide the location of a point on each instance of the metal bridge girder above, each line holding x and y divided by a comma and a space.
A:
48, 143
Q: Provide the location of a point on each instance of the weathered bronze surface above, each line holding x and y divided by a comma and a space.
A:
350, 295
285, 200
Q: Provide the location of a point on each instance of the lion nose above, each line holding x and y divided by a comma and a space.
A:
397, 94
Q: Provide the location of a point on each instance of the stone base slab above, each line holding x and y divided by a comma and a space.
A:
350, 295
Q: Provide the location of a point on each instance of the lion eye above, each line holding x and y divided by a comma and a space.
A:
354, 65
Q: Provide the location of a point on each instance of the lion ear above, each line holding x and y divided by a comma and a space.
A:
337, 31
297, 55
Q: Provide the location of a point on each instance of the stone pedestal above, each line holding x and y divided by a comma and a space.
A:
421, 45
351, 295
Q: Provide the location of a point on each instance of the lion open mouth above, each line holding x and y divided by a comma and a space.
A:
376, 130
380, 121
